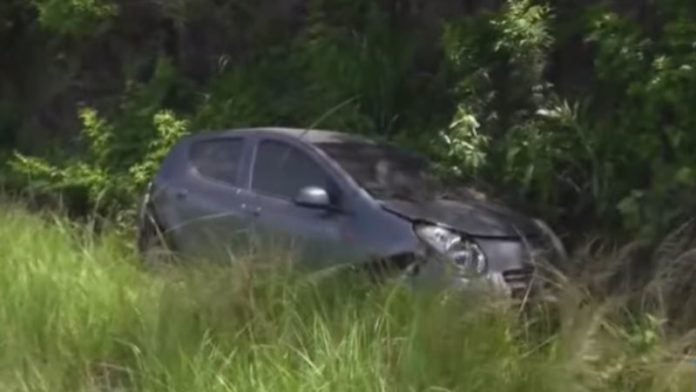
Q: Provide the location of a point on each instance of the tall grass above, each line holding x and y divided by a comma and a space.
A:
78, 313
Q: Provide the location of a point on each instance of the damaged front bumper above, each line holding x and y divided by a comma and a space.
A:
513, 272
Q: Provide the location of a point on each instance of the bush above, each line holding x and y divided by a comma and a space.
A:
619, 152
74, 17
648, 82
484, 100
101, 179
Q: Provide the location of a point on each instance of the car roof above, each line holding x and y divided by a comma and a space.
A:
313, 136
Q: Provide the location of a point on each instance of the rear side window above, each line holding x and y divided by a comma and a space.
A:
218, 159
282, 170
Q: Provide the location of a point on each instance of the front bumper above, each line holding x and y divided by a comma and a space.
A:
514, 270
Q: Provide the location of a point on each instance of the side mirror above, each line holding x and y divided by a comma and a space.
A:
313, 197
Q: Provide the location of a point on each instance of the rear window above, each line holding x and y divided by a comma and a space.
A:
218, 159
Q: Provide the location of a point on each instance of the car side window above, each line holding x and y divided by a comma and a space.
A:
218, 159
282, 170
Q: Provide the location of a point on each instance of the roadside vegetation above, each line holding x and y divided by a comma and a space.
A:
80, 313
578, 112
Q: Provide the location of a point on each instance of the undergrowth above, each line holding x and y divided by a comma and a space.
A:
80, 313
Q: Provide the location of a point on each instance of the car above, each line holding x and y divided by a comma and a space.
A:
338, 199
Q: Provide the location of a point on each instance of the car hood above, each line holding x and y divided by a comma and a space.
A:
473, 217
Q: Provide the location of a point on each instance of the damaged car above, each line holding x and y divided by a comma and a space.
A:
338, 198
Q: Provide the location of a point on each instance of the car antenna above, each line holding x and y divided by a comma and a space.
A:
326, 115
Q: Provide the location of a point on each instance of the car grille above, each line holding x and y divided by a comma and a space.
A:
519, 280
519, 276
518, 263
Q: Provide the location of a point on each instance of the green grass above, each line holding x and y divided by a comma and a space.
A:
79, 313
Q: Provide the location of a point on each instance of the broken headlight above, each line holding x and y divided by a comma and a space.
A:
464, 254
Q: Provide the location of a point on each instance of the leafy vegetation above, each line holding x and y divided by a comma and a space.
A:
579, 114
73, 17
80, 314
489, 95
111, 173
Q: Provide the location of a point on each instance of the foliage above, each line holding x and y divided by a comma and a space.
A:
651, 82
524, 35
330, 77
95, 177
169, 130
508, 119
87, 175
464, 147
578, 113
118, 156
568, 159
74, 17
79, 314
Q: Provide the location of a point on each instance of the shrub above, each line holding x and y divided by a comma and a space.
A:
74, 17
102, 182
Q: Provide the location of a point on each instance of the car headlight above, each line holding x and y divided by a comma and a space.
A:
466, 256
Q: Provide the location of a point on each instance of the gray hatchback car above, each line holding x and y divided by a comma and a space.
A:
338, 198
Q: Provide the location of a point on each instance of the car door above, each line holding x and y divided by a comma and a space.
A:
212, 201
280, 170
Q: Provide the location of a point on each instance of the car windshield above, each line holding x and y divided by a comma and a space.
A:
384, 171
